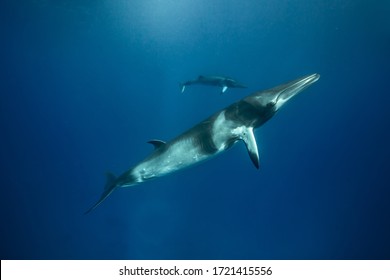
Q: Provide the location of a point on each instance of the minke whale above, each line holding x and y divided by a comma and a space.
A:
210, 137
218, 81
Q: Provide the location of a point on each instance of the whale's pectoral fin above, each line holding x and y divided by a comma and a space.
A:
250, 141
224, 89
156, 143
182, 87
108, 189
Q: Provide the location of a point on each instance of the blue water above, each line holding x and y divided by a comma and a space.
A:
84, 85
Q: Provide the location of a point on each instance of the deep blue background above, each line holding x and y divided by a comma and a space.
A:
84, 84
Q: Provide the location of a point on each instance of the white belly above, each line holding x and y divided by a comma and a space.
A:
185, 152
178, 156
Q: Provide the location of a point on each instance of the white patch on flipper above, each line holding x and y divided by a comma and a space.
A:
224, 130
250, 141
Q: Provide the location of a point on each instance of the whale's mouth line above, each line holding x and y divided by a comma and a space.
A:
296, 88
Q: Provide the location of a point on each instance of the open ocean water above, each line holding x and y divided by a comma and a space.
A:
84, 85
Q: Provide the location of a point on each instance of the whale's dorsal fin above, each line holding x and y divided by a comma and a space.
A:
156, 143
250, 141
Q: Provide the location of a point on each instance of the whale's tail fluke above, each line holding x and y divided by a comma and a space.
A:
108, 189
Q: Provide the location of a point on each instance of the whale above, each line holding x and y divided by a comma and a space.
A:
218, 81
211, 137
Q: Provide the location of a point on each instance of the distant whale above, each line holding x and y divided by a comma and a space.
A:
218, 81
210, 137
